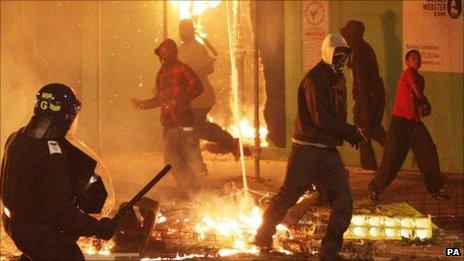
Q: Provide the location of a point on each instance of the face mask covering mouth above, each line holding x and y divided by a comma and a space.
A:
339, 59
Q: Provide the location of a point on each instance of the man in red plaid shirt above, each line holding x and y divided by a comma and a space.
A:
176, 86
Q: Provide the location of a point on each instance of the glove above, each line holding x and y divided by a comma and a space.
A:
357, 139
106, 227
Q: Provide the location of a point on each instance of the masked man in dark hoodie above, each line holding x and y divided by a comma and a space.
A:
320, 126
176, 86
368, 92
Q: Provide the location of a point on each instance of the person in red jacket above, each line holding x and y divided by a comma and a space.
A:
177, 85
408, 131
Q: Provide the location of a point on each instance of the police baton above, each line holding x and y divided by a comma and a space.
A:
141, 193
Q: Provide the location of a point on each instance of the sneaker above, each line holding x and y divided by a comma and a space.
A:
372, 195
364, 171
263, 243
440, 195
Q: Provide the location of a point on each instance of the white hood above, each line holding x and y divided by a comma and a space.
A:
329, 44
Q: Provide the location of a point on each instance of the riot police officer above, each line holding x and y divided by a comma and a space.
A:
40, 212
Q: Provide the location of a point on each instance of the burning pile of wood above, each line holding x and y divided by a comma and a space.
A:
225, 227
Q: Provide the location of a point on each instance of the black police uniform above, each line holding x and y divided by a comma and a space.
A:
43, 221
40, 212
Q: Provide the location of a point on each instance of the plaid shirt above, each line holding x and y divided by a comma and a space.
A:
176, 86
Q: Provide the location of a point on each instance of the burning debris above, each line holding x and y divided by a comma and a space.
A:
218, 226
212, 226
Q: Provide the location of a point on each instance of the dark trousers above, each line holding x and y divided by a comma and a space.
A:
402, 135
41, 242
206, 130
182, 152
366, 151
308, 165
371, 122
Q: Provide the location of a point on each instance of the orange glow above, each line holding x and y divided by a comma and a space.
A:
248, 132
88, 247
240, 227
237, 222
189, 9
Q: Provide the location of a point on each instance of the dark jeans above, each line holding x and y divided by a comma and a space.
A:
366, 151
371, 122
182, 152
41, 242
308, 165
209, 131
402, 135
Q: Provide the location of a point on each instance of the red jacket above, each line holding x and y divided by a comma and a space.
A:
406, 104
176, 86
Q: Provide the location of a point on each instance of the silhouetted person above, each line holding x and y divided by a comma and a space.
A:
195, 55
176, 86
408, 131
320, 126
368, 92
40, 213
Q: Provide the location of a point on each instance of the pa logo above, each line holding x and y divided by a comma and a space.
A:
452, 251
454, 8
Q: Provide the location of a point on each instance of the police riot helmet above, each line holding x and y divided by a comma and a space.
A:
58, 103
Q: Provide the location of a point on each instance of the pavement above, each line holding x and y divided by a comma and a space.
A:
130, 171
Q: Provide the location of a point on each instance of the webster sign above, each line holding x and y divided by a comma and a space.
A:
434, 27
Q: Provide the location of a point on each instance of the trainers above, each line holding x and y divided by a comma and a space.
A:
440, 195
364, 171
372, 195
263, 243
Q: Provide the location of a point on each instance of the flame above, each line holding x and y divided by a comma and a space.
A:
161, 219
238, 223
233, 223
189, 9
90, 247
192, 256
247, 132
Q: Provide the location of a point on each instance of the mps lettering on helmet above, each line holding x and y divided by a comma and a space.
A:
44, 105
53, 147
47, 95
55, 107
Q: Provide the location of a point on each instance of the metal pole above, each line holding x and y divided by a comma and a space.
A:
256, 95
141, 193
165, 19
99, 92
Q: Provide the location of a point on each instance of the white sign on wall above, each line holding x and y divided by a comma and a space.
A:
435, 28
315, 18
